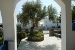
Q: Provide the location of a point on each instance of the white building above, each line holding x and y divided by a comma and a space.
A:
47, 23
28, 26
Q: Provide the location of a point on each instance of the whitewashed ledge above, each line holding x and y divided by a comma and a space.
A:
49, 43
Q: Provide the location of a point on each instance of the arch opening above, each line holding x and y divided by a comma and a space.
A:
21, 10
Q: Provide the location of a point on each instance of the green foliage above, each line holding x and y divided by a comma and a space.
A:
32, 11
39, 34
1, 40
19, 29
28, 34
52, 12
27, 30
73, 13
1, 37
20, 35
59, 19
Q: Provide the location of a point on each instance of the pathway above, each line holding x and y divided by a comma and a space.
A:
49, 43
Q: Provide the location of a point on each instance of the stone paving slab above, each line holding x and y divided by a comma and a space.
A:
49, 43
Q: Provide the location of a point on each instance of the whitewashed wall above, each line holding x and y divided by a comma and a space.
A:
49, 23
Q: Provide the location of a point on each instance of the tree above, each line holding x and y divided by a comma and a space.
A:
32, 11
59, 18
52, 12
19, 29
23, 19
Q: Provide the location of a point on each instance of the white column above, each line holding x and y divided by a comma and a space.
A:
66, 24
9, 22
68, 36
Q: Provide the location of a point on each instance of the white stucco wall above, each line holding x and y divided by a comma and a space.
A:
68, 36
7, 8
49, 23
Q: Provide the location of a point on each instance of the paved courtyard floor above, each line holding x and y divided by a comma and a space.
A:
49, 43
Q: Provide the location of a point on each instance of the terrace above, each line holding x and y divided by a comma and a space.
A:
9, 24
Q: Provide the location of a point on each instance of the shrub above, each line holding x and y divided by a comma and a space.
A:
1, 37
19, 29
1, 41
20, 35
39, 34
28, 34
27, 31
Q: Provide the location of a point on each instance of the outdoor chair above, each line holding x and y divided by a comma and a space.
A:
51, 32
58, 33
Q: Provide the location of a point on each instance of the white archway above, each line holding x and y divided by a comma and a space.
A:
9, 25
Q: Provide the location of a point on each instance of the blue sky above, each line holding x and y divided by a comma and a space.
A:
44, 2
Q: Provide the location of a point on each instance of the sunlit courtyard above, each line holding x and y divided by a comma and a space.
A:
49, 43
37, 24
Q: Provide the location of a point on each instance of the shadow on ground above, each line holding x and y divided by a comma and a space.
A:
28, 45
